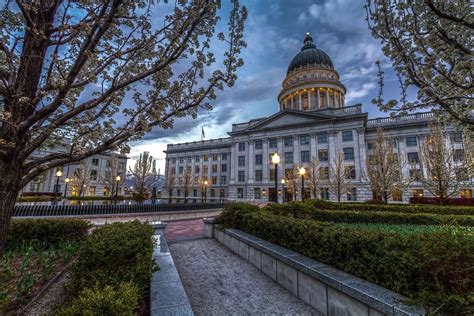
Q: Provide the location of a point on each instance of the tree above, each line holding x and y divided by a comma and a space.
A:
170, 183
443, 179
67, 66
338, 176
109, 177
430, 46
187, 182
81, 178
314, 176
291, 180
384, 168
143, 174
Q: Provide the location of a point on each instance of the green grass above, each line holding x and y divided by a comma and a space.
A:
405, 229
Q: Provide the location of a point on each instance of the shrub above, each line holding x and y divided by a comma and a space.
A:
95, 198
414, 265
401, 208
45, 232
232, 209
122, 300
34, 198
115, 253
449, 201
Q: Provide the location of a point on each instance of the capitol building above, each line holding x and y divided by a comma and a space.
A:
313, 123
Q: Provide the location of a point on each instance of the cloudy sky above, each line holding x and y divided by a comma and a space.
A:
274, 34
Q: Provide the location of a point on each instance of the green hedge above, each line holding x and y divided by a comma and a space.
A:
97, 198
433, 269
122, 300
45, 232
307, 211
398, 208
113, 254
34, 198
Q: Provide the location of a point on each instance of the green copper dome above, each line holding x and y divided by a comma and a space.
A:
309, 56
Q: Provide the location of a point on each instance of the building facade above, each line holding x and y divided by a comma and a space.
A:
101, 171
313, 123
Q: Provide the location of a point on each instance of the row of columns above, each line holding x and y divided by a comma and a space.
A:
323, 99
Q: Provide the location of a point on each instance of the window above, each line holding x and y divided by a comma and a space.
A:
214, 168
289, 157
224, 168
181, 160
189, 159
92, 191
241, 146
206, 169
93, 175
322, 138
397, 195
95, 161
195, 192
173, 160
304, 139
258, 144
370, 144
258, 159
258, 175
272, 143
240, 193
347, 136
223, 180
241, 161
413, 157
417, 192
181, 169
196, 169
456, 137
415, 174
121, 165
288, 141
410, 141
214, 180
324, 172
241, 176
196, 159
206, 157
352, 195
178, 192
324, 193
272, 174
305, 156
257, 194
458, 155
350, 172
213, 193
214, 157
348, 153
466, 194
323, 155
224, 156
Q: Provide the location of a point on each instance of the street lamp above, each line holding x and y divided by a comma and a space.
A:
67, 180
283, 190
276, 161
118, 178
302, 172
205, 191
59, 174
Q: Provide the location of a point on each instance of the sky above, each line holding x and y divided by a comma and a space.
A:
274, 32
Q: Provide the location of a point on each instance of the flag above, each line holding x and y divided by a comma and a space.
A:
202, 133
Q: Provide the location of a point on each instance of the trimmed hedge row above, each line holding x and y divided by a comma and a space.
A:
110, 257
432, 269
45, 232
399, 208
306, 211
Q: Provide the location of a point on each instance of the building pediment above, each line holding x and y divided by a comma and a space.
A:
290, 118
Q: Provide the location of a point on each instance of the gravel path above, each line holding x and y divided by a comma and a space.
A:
219, 282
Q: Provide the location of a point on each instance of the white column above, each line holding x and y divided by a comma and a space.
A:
318, 96
362, 154
292, 102
281, 154
309, 100
251, 163
332, 147
296, 150
265, 162
326, 101
313, 146
300, 101
232, 165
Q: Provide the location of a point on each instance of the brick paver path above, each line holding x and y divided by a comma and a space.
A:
184, 229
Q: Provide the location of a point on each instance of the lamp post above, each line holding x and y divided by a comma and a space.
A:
117, 178
59, 174
67, 180
283, 190
205, 191
276, 161
302, 172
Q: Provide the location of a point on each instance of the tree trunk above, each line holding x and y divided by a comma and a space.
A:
385, 198
10, 186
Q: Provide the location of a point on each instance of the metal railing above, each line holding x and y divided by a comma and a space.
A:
85, 210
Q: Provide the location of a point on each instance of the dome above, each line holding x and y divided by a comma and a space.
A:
310, 56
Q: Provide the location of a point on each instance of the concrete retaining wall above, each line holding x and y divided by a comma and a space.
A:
328, 290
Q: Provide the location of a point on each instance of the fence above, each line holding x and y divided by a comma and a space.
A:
85, 210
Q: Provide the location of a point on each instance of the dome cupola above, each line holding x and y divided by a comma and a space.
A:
311, 81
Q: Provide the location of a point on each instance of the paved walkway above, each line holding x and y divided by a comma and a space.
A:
184, 230
219, 282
